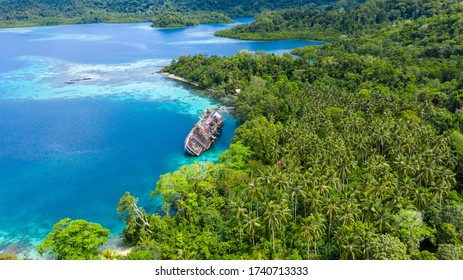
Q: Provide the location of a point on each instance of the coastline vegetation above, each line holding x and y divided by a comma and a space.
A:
351, 150
177, 19
74, 240
179, 13
327, 23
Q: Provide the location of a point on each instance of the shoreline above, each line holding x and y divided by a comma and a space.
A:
207, 92
115, 247
178, 78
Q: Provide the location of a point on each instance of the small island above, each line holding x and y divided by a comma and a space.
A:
177, 20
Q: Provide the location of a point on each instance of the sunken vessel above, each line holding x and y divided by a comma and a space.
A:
204, 132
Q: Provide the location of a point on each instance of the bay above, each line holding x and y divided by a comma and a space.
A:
85, 117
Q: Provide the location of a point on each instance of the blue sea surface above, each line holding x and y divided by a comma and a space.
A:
85, 116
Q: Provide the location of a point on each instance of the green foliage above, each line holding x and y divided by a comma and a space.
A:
449, 252
193, 226
448, 234
452, 214
351, 150
51, 12
176, 19
342, 17
147, 249
423, 255
410, 228
347, 151
109, 255
263, 136
457, 142
350, 137
237, 156
411, 116
74, 240
325, 149
386, 247
335, 113
136, 220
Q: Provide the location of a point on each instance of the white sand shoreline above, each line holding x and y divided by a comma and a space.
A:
177, 78
114, 245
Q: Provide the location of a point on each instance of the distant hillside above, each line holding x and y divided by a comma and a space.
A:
343, 17
49, 12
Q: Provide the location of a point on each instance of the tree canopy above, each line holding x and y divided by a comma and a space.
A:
349, 150
74, 240
354, 145
164, 13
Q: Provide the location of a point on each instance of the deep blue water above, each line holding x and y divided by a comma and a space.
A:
73, 149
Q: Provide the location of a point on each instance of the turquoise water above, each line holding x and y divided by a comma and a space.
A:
84, 117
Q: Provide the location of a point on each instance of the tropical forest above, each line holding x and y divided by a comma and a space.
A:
350, 150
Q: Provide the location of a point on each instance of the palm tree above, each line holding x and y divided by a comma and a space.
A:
271, 218
382, 217
335, 183
331, 211
445, 182
349, 214
408, 185
297, 189
439, 188
267, 179
275, 214
313, 230
420, 197
427, 174
322, 188
254, 192
284, 213
282, 182
365, 237
314, 200
349, 249
362, 149
240, 212
346, 166
348, 242
305, 181
252, 225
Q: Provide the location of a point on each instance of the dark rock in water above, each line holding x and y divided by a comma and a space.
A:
70, 82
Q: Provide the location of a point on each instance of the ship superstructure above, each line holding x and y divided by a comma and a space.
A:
204, 132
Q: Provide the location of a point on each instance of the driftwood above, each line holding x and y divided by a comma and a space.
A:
142, 217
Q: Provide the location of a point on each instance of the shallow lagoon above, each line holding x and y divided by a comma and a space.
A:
84, 117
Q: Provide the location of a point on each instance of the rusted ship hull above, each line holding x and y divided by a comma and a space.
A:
204, 132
